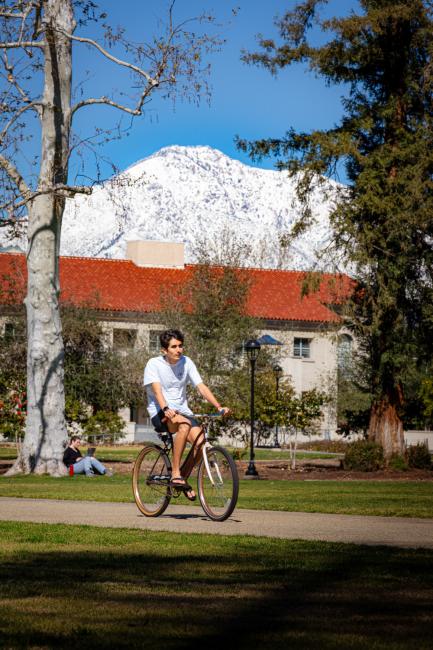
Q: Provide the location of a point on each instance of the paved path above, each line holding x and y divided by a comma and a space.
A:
390, 531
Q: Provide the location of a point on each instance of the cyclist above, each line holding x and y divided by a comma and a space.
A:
166, 378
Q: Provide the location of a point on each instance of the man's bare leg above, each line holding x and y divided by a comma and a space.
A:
179, 444
196, 439
181, 426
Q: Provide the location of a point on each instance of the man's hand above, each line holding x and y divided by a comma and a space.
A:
170, 413
224, 410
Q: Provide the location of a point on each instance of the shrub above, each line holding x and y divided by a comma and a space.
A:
418, 456
104, 426
398, 463
12, 414
330, 446
364, 456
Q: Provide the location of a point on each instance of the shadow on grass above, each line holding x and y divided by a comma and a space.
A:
277, 593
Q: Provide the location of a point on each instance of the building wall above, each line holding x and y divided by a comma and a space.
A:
319, 370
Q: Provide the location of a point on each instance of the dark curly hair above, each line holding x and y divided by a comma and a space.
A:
166, 337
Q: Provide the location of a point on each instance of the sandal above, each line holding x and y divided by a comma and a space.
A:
190, 495
181, 484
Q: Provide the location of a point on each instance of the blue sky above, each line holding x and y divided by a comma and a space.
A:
246, 100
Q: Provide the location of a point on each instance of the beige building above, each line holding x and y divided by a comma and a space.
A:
127, 295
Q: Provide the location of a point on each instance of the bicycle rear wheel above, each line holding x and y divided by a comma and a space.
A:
218, 489
150, 481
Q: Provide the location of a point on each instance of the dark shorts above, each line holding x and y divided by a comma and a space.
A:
161, 427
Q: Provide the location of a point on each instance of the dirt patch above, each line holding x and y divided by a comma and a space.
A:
5, 465
280, 471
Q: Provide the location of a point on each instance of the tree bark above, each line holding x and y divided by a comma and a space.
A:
46, 434
386, 426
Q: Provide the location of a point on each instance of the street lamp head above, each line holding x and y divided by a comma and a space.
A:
278, 371
252, 349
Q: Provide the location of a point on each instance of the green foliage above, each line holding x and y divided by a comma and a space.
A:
95, 374
104, 426
12, 414
427, 397
364, 456
211, 311
382, 225
398, 463
13, 380
97, 378
418, 456
353, 395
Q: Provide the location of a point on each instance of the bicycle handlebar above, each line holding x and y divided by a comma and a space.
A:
208, 415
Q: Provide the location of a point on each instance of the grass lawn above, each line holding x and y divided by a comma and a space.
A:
85, 587
128, 453
386, 498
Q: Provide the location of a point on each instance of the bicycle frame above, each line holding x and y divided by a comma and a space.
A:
190, 461
217, 477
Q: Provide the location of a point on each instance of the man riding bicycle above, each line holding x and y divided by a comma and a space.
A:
165, 379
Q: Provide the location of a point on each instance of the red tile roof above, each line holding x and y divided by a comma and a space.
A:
120, 285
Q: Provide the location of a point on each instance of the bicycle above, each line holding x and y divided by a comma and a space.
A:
217, 477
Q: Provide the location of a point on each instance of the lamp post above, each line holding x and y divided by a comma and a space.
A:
252, 349
278, 372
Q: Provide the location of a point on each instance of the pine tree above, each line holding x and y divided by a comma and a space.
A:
382, 224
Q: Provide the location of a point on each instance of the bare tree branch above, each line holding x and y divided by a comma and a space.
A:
26, 13
10, 204
12, 78
68, 191
109, 56
8, 14
108, 102
17, 44
16, 115
15, 176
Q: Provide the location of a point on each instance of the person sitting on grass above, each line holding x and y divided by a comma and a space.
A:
166, 378
87, 465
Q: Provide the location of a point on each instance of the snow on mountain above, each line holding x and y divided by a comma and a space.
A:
194, 195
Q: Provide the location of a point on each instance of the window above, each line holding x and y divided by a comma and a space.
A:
344, 351
301, 348
154, 343
124, 339
9, 331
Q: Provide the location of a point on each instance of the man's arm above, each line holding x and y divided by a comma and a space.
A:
157, 391
207, 394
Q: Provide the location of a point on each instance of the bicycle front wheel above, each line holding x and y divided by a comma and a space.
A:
218, 484
150, 481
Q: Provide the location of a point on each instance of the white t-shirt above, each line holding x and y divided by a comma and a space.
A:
173, 379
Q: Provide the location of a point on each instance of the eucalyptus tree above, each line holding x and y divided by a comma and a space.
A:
38, 39
381, 56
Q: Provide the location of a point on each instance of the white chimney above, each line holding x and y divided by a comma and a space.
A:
156, 254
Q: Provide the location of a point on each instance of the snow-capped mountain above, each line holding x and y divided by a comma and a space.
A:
199, 196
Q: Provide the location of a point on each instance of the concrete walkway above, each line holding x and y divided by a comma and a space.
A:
389, 531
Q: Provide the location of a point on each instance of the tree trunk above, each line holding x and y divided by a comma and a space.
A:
46, 435
386, 427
